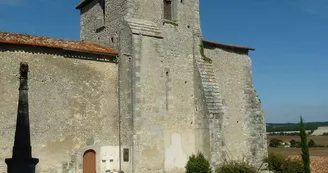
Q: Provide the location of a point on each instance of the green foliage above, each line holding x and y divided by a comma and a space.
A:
293, 143
275, 142
298, 144
201, 47
198, 164
280, 127
293, 166
275, 162
320, 146
280, 164
311, 144
284, 134
305, 149
236, 167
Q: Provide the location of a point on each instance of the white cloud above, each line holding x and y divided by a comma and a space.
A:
312, 7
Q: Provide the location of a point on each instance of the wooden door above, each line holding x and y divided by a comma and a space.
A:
89, 162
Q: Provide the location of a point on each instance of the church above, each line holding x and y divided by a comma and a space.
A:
140, 92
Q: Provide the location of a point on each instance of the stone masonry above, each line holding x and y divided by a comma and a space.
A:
144, 110
162, 66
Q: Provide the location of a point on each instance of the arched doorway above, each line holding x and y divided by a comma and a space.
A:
89, 162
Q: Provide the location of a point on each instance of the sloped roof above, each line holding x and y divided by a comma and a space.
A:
227, 45
31, 40
82, 4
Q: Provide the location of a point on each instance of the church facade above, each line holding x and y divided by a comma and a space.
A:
140, 92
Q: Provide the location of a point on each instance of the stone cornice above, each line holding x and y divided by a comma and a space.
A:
144, 27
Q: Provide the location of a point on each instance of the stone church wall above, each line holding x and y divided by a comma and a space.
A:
73, 107
243, 117
91, 19
102, 26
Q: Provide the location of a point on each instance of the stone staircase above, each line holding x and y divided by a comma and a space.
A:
211, 89
215, 109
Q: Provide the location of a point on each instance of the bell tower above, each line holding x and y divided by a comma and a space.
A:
158, 44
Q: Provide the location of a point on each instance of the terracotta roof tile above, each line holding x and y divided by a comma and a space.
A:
227, 45
24, 39
82, 4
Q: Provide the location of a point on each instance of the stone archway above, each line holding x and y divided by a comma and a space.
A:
89, 161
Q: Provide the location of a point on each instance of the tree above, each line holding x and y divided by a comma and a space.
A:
275, 142
298, 144
305, 148
311, 143
292, 143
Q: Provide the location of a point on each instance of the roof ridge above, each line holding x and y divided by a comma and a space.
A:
47, 37
50, 42
227, 45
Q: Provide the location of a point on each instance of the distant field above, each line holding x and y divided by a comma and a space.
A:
278, 127
320, 140
319, 156
298, 151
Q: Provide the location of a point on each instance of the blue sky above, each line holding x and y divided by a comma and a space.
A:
289, 64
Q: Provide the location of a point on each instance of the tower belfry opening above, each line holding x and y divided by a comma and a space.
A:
168, 9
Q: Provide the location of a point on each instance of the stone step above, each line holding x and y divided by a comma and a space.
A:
212, 109
206, 84
206, 68
211, 97
208, 75
214, 112
208, 80
201, 61
212, 90
215, 94
216, 101
211, 86
214, 104
213, 100
207, 72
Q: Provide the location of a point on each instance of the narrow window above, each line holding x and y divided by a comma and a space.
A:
125, 154
168, 9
